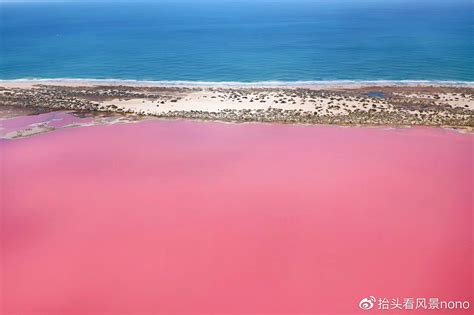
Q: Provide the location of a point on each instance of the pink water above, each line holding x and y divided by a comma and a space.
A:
209, 218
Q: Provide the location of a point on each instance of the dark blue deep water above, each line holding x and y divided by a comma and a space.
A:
239, 40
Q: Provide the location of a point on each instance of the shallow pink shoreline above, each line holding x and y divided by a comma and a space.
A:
52, 120
186, 217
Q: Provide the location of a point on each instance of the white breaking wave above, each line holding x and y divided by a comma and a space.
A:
250, 84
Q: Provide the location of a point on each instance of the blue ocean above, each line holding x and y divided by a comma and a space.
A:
238, 40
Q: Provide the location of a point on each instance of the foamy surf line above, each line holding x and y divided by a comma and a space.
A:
315, 83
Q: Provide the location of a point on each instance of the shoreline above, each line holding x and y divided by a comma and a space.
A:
312, 84
44, 126
446, 106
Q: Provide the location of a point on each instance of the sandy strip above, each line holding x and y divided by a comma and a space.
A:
318, 85
345, 105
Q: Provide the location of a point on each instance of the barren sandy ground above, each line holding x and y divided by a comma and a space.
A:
451, 106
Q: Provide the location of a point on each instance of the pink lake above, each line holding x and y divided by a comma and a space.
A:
178, 217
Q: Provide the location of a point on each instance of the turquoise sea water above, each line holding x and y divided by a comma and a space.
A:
240, 40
